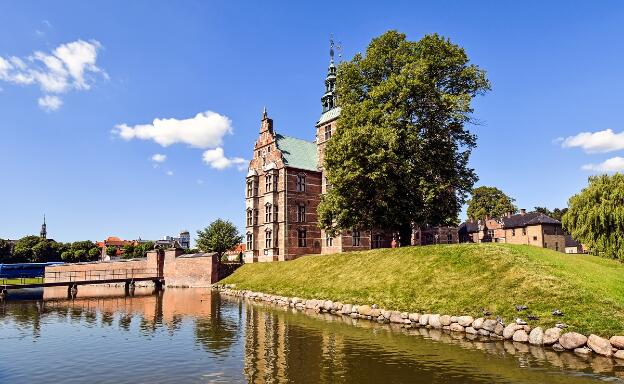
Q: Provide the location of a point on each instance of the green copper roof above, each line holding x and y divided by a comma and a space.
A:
329, 115
297, 153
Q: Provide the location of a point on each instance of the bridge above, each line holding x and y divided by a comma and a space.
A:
73, 278
171, 265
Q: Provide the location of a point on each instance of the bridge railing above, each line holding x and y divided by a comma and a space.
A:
75, 276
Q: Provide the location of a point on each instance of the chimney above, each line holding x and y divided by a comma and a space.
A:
523, 211
508, 213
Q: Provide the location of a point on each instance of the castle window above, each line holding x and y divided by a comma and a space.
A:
301, 183
301, 238
328, 132
301, 213
249, 188
275, 212
355, 238
249, 218
255, 219
329, 241
513, 232
523, 231
449, 238
377, 241
268, 185
268, 214
249, 241
268, 241
490, 233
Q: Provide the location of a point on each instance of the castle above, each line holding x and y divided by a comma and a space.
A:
283, 189
286, 180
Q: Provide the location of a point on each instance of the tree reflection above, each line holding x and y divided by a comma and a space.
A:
217, 333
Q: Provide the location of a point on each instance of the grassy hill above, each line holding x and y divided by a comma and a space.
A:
457, 279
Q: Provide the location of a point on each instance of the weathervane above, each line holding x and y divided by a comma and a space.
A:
331, 47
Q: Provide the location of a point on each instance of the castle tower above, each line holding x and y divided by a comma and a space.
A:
44, 233
326, 126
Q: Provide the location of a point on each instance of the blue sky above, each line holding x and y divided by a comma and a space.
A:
206, 70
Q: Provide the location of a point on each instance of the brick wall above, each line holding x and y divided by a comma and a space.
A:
178, 270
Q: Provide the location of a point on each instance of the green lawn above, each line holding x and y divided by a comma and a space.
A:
457, 279
21, 281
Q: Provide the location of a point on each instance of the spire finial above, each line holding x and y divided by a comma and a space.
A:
264, 113
331, 48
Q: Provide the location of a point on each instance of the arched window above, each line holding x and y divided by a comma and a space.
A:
249, 217
268, 239
268, 213
250, 245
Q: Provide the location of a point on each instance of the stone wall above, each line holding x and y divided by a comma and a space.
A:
487, 326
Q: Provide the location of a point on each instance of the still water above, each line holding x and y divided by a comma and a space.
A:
198, 336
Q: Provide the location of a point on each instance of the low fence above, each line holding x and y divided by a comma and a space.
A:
94, 275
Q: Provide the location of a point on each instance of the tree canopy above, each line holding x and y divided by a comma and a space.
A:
595, 216
219, 236
400, 153
490, 202
556, 213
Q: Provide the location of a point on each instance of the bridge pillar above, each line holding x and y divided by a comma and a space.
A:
72, 291
129, 287
158, 285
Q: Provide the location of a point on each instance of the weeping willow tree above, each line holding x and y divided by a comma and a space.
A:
595, 216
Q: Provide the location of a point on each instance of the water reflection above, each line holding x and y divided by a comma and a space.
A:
193, 335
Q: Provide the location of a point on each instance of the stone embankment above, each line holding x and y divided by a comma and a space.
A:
518, 331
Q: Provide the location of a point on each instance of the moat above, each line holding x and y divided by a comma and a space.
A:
199, 336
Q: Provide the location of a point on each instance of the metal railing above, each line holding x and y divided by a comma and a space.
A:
100, 275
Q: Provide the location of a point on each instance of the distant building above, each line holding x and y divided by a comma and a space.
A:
573, 246
113, 241
530, 228
183, 240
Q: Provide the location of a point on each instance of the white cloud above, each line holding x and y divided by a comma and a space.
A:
215, 158
596, 142
158, 158
205, 130
50, 103
613, 164
169, 173
68, 67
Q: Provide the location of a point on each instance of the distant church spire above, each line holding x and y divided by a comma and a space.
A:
328, 100
44, 232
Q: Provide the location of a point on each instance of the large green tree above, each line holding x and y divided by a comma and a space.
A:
595, 216
5, 251
489, 202
400, 154
220, 236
